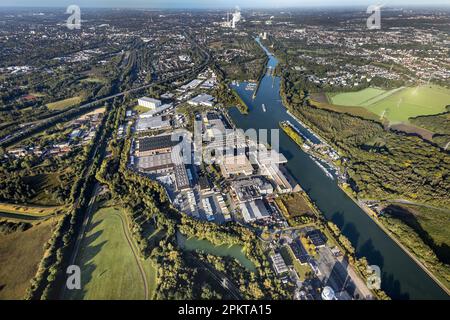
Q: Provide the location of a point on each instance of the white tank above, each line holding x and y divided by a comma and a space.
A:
328, 294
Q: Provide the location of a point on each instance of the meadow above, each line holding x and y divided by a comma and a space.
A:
20, 254
396, 105
295, 208
63, 104
109, 261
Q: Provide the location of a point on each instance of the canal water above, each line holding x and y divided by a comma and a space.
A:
402, 278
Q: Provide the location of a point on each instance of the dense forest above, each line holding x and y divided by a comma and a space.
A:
381, 164
439, 124
240, 57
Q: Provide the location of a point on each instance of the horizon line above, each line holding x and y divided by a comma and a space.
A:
312, 6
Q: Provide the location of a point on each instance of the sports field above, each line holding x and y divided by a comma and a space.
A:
396, 105
109, 261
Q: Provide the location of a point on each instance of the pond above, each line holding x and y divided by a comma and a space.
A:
233, 251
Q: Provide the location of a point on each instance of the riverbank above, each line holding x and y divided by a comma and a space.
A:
261, 76
292, 133
403, 277
373, 215
242, 106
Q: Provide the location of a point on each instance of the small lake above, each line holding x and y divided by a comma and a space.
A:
234, 251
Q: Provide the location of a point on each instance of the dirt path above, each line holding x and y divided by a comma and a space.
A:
135, 254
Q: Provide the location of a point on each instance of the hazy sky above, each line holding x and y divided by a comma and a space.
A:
212, 3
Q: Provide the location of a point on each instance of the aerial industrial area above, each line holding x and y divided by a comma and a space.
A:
224, 154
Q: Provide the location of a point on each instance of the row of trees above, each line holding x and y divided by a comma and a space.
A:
7, 227
361, 264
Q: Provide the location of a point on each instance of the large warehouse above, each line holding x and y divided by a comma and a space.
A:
149, 102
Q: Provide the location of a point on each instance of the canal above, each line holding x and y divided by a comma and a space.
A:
402, 278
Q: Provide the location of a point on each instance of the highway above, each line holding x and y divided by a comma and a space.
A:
42, 124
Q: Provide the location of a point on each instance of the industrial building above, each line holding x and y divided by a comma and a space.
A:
160, 155
154, 145
181, 177
235, 165
149, 103
153, 123
191, 85
223, 207
254, 210
249, 189
299, 251
157, 163
204, 184
279, 264
158, 111
202, 100
317, 238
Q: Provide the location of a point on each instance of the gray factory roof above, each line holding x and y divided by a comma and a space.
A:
158, 142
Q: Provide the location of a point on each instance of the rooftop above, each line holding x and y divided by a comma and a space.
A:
147, 99
158, 142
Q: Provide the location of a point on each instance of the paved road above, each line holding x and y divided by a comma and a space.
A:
403, 201
27, 217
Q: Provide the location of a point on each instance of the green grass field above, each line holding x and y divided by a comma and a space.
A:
63, 104
355, 98
109, 269
140, 109
20, 254
93, 80
397, 105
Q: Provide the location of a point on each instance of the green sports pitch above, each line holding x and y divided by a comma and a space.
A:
396, 105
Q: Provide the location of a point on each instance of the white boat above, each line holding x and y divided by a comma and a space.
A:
264, 107
329, 175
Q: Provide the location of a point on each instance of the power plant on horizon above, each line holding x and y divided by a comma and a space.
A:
236, 17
